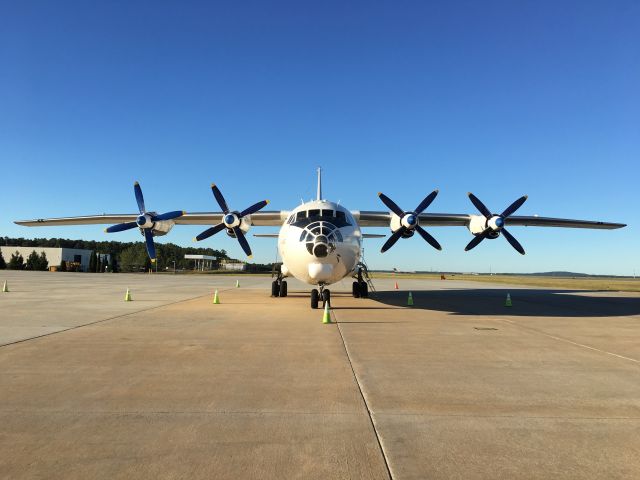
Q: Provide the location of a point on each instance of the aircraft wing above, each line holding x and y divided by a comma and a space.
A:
382, 219
260, 219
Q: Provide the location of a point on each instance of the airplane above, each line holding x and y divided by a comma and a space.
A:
320, 242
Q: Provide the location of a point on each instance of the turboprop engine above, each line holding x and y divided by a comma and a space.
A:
490, 225
236, 223
405, 224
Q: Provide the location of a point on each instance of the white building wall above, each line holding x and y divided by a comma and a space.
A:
54, 255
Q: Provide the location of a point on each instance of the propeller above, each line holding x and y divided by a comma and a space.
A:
231, 220
495, 223
145, 222
409, 221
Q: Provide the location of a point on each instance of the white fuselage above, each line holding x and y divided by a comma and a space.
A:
320, 243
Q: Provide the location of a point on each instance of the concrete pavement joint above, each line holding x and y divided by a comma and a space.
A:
364, 400
102, 320
568, 341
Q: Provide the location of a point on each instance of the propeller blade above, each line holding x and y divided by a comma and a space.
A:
242, 241
511, 239
139, 198
427, 236
426, 202
168, 215
210, 231
121, 227
391, 205
480, 206
151, 248
219, 198
253, 208
474, 242
513, 207
392, 239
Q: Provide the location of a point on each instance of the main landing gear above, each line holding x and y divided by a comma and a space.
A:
323, 294
279, 286
360, 286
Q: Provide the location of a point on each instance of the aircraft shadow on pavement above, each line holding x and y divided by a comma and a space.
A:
525, 302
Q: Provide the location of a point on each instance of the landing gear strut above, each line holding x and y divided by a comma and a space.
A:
279, 286
323, 294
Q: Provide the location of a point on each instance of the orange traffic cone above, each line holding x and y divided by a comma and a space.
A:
396, 286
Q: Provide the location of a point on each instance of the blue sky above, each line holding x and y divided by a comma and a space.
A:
498, 98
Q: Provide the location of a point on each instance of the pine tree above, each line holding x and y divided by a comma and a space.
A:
63, 266
33, 261
93, 260
43, 263
3, 264
16, 262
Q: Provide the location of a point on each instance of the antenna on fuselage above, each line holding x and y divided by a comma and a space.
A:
319, 184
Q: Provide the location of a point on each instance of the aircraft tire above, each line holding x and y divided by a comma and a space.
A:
356, 290
275, 289
364, 290
283, 288
315, 296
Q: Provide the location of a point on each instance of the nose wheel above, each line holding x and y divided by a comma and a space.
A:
323, 294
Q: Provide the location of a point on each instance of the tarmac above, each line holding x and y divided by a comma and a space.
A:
172, 386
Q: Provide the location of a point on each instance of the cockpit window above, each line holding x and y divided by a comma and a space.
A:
314, 213
301, 215
327, 213
340, 215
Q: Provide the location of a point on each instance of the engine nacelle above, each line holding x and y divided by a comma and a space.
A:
244, 225
479, 224
396, 223
160, 228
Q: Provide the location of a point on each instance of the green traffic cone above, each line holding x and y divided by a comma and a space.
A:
5, 288
410, 300
237, 283
326, 317
507, 302
216, 299
127, 296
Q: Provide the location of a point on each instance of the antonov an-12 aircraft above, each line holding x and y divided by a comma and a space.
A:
320, 242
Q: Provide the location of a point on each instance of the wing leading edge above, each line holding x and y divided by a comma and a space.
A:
382, 219
364, 219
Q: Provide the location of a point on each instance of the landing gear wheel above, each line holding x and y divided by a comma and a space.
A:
275, 289
326, 297
356, 290
283, 288
364, 290
315, 296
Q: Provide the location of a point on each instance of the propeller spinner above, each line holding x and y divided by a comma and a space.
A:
409, 221
231, 220
145, 222
495, 223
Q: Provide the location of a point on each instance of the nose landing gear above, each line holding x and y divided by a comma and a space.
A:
323, 294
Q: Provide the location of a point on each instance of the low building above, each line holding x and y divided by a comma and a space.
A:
202, 262
235, 266
55, 255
